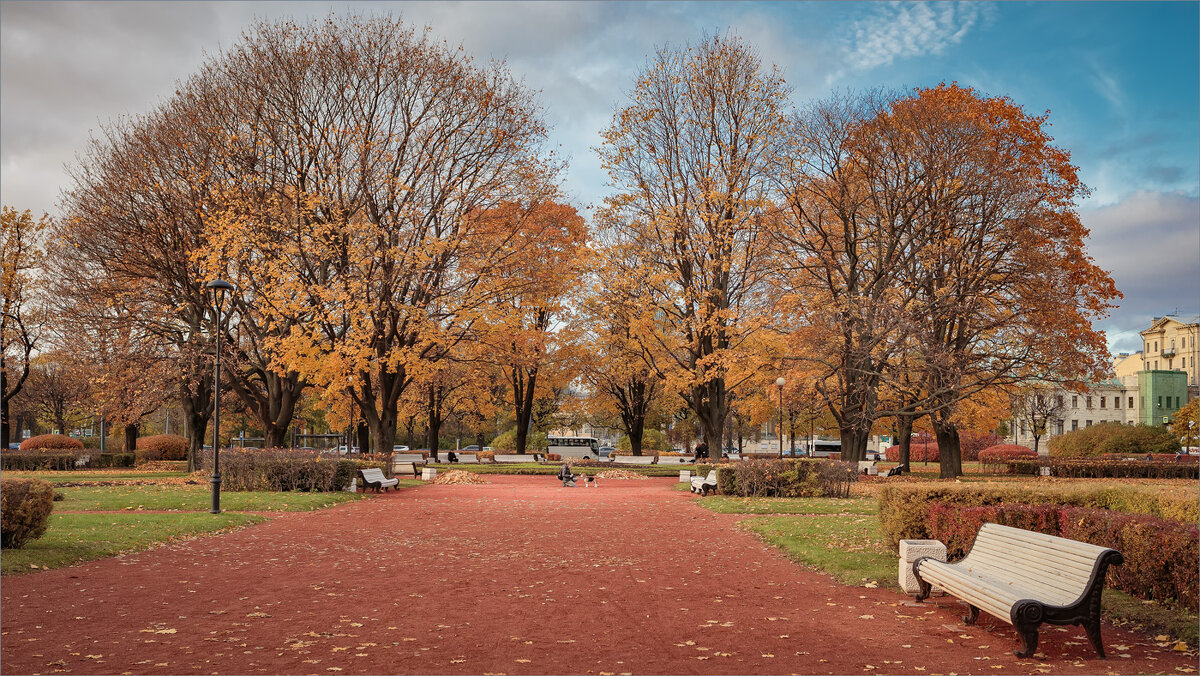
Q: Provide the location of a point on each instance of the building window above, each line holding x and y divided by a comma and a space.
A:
1089, 402
1116, 402
1160, 401
1060, 401
1059, 427
1088, 424
1156, 346
1131, 402
1074, 402
1074, 425
1101, 402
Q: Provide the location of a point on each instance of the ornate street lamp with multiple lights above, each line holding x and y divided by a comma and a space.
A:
218, 288
780, 381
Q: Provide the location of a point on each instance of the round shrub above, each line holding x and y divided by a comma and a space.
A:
1001, 453
25, 506
971, 443
46, 442
1112, 437
161, 447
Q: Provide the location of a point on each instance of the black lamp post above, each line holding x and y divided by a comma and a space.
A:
218, 287
780, 381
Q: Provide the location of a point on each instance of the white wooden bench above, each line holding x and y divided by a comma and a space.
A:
634, 459
469, 458
408, 457
372, 477
516, 457
674, 460
735, 456
1025, 578
404, 469
705, 485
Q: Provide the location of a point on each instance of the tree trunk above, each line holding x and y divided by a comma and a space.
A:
362, 436
1035, 443
131, 435
637, 430
904, 427
435, 423
524, 403
709, 404
949, 451
854, 444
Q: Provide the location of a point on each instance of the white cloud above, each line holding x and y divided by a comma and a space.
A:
1149, 243
898, 30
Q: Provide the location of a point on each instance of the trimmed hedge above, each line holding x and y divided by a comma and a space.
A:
1112, 437
281, 469
904, 508
161, 447
25, 506
51, 442
62, 460
787, 478
1160, 555
1108, 468
1000, 454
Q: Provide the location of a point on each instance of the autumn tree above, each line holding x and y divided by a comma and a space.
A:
847, 237
60, 389
1040, 407
1185, 424
133, 216
527, 333
21, 324
1006, 290
691, 159
386, 147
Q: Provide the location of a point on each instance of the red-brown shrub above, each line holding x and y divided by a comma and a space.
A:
25, 506
1160, 555
44, 442
971, 443
1000, 454
161, 447
917, 452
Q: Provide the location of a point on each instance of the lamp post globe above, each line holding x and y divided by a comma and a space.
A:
219, 288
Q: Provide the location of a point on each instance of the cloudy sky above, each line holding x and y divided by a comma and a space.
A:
1120, 81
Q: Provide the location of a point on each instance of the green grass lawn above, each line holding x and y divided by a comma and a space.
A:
735, 505
68, 477
848, 547
74, 538
196, 498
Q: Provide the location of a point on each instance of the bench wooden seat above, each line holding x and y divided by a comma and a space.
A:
408, 457
372, 477
515, 457
469, 458
405, 469
1025, 578
634, 459
674, 460
705, 485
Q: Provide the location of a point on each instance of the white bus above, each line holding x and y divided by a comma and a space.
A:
573, 447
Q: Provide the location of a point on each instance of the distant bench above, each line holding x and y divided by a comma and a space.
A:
373, 477
405, 469
674, 460
634, 459
469, 458
517, 457
1025, 578
408, 457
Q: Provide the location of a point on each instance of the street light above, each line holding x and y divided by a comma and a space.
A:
780, 381
218, 287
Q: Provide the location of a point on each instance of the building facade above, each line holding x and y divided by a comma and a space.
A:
1116, 400
1161, 394
1170, 344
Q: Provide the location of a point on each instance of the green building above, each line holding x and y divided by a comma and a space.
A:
1162, 393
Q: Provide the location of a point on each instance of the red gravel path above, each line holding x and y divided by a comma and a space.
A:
519, 576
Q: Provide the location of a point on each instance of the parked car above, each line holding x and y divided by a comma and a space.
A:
473, 448
605, 451
399, 449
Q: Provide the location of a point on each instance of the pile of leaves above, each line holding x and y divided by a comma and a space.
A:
619, 474
458, 477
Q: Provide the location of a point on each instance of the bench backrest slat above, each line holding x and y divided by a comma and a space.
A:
516, 457
635, 459
373, 474
1057, 567
407, 457
468, 457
